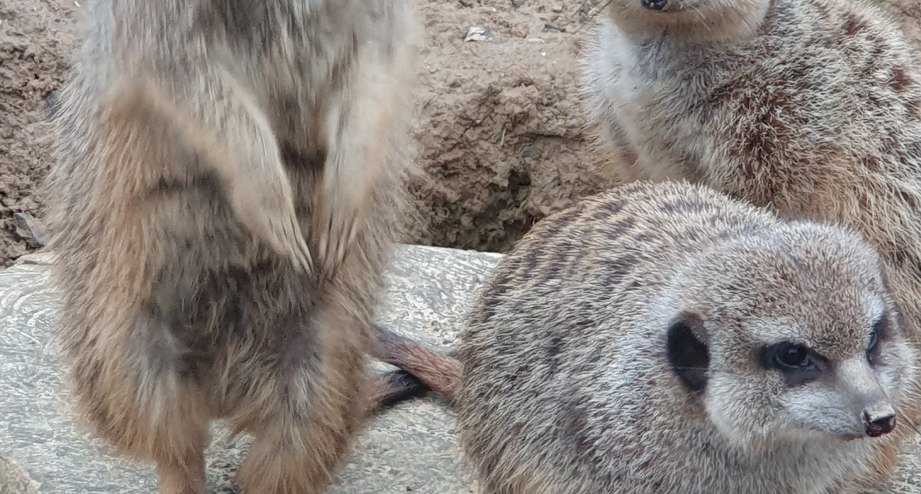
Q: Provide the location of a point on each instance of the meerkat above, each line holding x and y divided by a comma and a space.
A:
227, 182
668, 338
811, 107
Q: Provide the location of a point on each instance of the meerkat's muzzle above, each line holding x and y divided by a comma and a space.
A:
868, 399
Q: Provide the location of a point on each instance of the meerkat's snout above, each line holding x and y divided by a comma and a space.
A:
654, 4
870, 401
878, 420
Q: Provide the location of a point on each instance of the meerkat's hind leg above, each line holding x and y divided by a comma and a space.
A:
184, 475
219, 119
175, 442
134, 394
171, 413
299, 446
303, 414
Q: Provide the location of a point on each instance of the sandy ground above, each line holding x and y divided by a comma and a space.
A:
35, 39
500, 132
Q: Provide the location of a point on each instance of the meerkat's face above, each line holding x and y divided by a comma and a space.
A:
799, 337
718, 17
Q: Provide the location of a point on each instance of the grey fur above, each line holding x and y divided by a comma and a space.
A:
811, 107
567, 384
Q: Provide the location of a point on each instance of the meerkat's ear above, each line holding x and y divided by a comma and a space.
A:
687, 351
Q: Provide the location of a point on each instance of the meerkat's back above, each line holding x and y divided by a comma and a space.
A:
666, 338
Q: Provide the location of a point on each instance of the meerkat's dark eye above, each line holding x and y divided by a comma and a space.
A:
876, 334
792, 357
797, 363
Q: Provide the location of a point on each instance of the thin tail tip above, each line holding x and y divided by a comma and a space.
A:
399, 386
431, 369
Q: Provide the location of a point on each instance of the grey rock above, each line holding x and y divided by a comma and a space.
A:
30, 229
410, 448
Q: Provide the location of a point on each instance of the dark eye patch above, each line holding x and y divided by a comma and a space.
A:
688, 355
797, 363
879, 333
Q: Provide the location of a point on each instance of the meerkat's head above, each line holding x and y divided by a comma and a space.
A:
703, 20
791, 335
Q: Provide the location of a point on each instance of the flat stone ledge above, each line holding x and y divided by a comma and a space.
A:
410, 448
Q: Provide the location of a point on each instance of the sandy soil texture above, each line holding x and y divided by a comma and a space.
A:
500, 129
36, 37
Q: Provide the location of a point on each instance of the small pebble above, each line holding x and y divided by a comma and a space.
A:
478, 33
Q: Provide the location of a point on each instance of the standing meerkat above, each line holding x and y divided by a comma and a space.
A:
667, 338
227, 179
811, 107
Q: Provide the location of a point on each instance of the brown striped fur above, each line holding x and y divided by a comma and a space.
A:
569, 383
810, 107
228, 180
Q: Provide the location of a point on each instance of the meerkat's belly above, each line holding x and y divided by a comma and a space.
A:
639, 115
652, 138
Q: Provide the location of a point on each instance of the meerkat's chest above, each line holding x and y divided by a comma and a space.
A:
813, 472
687, 448
657, 116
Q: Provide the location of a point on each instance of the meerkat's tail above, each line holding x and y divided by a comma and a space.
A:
395, 387
420, 368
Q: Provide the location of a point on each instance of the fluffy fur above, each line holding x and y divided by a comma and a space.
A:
624, 345
227, 179
811, 107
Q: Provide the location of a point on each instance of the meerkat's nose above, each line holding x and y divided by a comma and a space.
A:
878, 420
654, 4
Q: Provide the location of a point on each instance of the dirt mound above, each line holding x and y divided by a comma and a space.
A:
35, 39
501, 127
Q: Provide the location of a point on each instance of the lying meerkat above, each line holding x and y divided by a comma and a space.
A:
667, 338
227, 181
811, 107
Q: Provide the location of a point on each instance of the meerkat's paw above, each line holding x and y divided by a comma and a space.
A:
267, 209
287, 239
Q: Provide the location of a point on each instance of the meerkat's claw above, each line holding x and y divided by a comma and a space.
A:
277, 233
339, 231
285, 237
268, 210
295, 243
